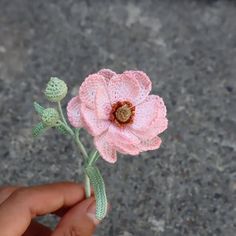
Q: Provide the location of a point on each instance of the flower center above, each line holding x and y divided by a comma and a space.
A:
122, 113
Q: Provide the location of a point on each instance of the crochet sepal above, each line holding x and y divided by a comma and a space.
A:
39, 129
38, 108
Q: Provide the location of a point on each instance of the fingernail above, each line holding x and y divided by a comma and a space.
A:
91, 213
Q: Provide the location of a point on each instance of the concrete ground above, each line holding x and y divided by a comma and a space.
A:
187, 47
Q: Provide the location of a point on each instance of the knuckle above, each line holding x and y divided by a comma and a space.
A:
20, 193
5, 190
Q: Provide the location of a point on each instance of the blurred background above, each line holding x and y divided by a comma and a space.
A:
187, 47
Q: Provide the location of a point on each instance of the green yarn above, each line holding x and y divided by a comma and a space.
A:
56, 90
50, 117
99, 191
38, 129
62, 129
38, 108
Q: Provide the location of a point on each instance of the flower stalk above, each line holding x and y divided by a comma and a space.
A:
87, 186
80, 145
61, 113
75, 136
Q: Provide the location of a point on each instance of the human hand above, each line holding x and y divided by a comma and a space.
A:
20, 205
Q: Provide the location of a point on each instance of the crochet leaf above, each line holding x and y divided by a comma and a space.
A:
99, 190
38, 108
38, 129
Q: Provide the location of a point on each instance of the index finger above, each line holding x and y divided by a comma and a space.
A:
26, 203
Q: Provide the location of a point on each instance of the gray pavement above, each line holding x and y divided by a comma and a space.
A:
188, 48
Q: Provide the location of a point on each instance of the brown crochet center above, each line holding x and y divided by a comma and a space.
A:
122, 113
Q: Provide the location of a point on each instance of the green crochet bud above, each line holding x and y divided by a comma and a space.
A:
56, 90
50, 117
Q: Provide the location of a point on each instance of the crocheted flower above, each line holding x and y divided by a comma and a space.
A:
119, 112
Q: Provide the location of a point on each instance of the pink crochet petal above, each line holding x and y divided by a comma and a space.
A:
92, 123
155, 123
122, 88
155, 128
73, 112
102, 103
144, 83
105, 148
159, 125
125, 148
150, 144
161, 106
107, 73
122, 135
88, 89
145, 113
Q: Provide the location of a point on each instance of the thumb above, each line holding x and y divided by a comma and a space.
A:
80, 220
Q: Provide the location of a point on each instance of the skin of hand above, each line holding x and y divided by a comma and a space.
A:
20, 205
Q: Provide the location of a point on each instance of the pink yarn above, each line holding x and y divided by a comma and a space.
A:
119, 112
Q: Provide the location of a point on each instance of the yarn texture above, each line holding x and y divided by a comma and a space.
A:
119, 113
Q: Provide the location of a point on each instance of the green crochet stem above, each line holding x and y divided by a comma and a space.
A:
87, 186
93, 157
86, 157
89, 162
61, 113
80, 147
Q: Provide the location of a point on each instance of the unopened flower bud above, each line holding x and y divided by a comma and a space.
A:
56, 90
50, 117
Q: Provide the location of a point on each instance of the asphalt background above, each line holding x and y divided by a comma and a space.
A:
188, 48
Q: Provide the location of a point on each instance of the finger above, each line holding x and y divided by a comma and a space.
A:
37, 229
79, 220
61, 212
26, 203
5, 192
